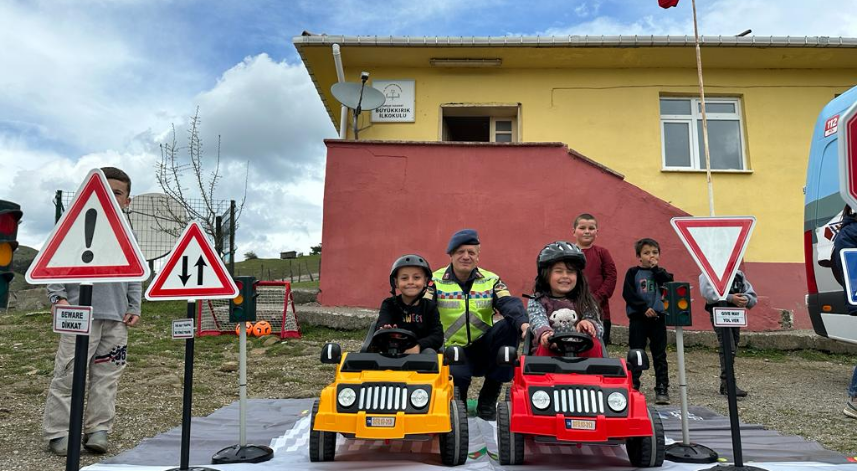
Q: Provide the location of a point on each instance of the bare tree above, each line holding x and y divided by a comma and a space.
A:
188, 182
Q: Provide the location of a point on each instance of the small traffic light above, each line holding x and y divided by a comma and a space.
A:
243, 307
10, 214
677, 303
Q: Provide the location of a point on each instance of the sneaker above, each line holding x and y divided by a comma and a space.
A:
59, 446
662, 397
851, 408
96, 442
738, 391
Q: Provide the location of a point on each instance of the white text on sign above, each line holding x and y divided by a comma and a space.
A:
183, 329
730, 317
72, 319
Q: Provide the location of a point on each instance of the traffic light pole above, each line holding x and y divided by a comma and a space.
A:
686, 452
187, 398
677, 304
242, 452
78, 384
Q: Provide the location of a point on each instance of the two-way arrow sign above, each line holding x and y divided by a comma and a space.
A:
200, 264
211, 280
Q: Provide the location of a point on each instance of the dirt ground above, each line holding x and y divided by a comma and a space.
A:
800, 393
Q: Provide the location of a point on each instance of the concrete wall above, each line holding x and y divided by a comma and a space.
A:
384, 199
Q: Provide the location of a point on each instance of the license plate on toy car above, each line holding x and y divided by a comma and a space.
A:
380, 421
575, 424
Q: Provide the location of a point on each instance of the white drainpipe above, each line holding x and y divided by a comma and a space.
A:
340, 75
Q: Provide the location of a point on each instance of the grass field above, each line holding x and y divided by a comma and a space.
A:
276, 269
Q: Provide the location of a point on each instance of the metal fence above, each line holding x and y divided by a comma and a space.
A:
158, 220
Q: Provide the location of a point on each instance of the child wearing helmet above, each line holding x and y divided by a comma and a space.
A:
409, 310
561, 299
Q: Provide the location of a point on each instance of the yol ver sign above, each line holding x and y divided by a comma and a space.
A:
192, 271
717, 245
848, 156
92, 242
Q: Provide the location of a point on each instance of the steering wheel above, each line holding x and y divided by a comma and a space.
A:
393, 342
571, 342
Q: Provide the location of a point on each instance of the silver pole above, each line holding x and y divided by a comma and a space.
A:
682, 383
242, 384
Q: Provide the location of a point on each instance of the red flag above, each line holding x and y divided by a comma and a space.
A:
667, 3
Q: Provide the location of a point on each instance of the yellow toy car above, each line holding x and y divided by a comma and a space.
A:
380, 393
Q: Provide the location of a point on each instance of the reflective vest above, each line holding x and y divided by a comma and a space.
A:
465, 316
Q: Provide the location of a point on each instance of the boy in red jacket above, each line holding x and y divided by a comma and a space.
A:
600, 270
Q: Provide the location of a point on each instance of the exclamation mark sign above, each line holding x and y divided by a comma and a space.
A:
89, 231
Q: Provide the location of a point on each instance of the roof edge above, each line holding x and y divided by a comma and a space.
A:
574, 41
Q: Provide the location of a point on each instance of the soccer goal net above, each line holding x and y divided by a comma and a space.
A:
274, 304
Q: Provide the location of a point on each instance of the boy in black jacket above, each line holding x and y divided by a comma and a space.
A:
645, 309
410, 275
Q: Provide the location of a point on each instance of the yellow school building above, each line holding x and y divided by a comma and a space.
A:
629, 103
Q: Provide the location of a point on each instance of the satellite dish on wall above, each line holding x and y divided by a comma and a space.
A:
358, 97
157, 221
349, 94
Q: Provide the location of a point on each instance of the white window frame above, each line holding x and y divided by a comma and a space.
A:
697, 161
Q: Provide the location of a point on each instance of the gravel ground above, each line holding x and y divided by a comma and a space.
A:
794, 393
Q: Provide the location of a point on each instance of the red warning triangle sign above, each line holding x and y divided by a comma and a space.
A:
92, 242
717, 245
192, 271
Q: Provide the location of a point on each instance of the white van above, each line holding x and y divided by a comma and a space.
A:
822, 214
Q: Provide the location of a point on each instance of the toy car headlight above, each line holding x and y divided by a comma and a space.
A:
541, 400
616, 401
347, 396
419, 398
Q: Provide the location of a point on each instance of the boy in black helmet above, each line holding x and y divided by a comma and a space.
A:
410, 276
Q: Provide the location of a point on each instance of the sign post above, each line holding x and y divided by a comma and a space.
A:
193, 271
717, 245
91, 243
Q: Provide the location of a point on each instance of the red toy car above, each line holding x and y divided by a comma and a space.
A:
567, 399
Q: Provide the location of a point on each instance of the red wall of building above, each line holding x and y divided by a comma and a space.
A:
384, 199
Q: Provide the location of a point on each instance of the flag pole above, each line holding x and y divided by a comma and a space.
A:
704, 118
686, 451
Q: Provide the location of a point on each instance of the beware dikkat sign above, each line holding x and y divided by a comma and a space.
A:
399, 104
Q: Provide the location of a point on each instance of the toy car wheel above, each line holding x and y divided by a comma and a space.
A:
648, 452
322, 445
453, 445
511, 445
456, 394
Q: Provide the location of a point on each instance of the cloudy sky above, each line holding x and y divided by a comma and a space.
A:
89, 83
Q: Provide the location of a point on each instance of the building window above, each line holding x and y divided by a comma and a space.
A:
476, 123
681, 134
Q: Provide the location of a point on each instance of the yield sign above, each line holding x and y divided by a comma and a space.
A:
717, 245
92, 242
192, 271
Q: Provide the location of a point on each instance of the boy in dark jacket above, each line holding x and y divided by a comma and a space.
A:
645, 308
410, 275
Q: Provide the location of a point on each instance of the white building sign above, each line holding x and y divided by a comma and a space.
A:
399, 104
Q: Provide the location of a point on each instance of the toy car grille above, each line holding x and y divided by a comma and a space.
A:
578, 401
383, 398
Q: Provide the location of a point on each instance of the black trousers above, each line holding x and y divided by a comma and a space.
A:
735, 333
481, 356
651, 330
